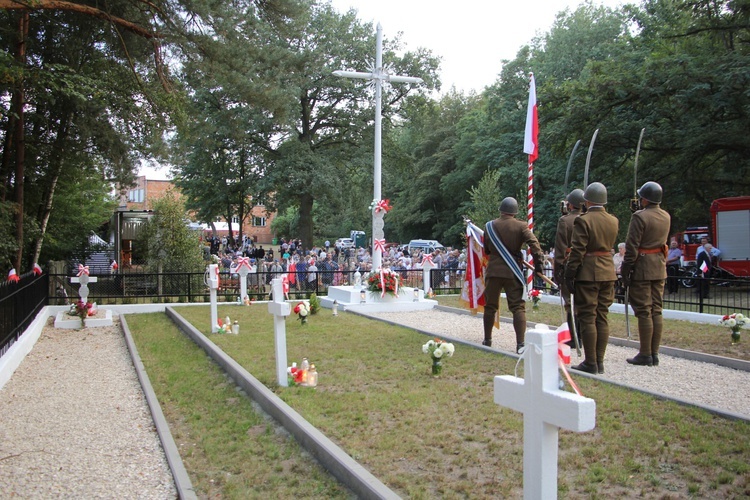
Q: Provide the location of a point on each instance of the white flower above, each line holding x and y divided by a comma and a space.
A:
425, 349
438, 353
739, 317
731, 322
449, 348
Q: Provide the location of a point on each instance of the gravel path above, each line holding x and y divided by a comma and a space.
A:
75, 423
702, 383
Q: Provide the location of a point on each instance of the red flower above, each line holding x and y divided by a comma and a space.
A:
535, 293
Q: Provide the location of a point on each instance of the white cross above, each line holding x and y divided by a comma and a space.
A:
378, 75
545, 409
426, 275
83, 279
280, 310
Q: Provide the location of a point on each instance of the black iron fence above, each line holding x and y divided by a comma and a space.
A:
20, 302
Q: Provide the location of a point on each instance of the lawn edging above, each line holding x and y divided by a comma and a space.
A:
341, 465
181, 478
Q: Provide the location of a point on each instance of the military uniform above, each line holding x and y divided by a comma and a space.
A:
498, 276
590, 264
562, 249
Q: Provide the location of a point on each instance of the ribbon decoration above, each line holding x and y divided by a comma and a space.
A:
83, 270
243, 261
427, 259
13, 276
563, 354
217, 278
382, 205
380, 245
285, 285
382, 282
37, 270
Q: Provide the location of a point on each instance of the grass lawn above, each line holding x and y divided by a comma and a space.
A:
424, 437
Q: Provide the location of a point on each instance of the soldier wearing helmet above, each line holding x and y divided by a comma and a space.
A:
590, 275
574, 202
503, 239
644, 270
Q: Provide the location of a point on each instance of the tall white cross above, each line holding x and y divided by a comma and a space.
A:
83, 279
378, 75
545, 409
280, 310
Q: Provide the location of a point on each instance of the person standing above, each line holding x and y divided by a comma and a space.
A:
705, 265
574, 201
590, 274
673, 266
503, 239
644, 270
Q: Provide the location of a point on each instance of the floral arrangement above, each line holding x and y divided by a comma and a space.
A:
535, 298
295, 375
303, 311
383, 281
82, 310
223, 327
734, 322
438, 350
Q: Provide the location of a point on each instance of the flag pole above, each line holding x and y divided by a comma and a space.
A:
531, 147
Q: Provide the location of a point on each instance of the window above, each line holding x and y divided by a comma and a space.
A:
259, 221
235, 219
136, 195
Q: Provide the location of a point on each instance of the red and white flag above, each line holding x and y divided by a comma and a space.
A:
531, 137
13, 276
37, 269
704, 267
472, 291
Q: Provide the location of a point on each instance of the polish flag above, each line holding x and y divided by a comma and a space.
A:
704, 267
531, 137
13, 276
37, 270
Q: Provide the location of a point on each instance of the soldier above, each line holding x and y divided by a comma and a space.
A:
562, 246
644, 270
590, 275
503, 239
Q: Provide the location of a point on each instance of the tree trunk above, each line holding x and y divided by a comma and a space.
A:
23, 31
306, 220
62, 135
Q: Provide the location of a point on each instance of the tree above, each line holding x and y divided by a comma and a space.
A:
485, 198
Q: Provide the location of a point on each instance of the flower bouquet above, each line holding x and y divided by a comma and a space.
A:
294, 375
734, 322
535, 299
83, 310
383, 281
223, 327
303, 311
438, 350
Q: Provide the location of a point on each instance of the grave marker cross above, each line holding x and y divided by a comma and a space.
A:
545, 409
378, 75
83, 279
280, 310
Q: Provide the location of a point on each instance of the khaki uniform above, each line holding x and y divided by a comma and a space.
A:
645, 263
590, 264
498, 276
562, 249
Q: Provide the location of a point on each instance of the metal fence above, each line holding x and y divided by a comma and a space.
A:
20, 302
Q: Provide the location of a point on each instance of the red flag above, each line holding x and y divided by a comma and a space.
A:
531, 138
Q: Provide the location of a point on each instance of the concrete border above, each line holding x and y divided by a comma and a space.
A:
179, 473
342, 466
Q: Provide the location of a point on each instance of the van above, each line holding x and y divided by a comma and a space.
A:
424, 245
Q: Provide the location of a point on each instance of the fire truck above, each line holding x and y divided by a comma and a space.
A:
729, 232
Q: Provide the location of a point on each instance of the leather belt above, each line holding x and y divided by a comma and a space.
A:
598, 254
644, 251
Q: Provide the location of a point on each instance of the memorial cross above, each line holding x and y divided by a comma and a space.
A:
243, 269
378, 75
545, 409
427, 266
280, 310
83, 279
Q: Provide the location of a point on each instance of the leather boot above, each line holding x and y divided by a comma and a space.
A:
586, 367
655, 359
600, 366
641, 360
486, 342
519, 347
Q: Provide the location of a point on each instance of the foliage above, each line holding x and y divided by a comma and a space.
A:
170, 245
485, 198
314, 304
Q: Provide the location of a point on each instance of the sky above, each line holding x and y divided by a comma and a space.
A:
471, 40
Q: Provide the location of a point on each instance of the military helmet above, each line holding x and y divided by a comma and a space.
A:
596, 193
509, 206
651, 191
575, 198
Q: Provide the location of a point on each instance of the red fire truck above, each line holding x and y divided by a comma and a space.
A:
729, 232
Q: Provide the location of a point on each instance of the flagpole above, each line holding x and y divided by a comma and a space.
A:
531, 147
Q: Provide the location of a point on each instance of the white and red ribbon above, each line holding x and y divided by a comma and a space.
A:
380, 245
381, 206
427, 258
563, 354
37, 270
285, 285
83, 270
13, 276
243, 261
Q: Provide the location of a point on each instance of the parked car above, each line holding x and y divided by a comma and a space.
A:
344, 243
424, 245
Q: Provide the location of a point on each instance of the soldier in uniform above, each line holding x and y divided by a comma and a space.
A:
644, 270
574, 201
590, 275
505, 261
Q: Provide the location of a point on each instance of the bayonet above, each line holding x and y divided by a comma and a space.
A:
634, 201
570, 162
